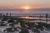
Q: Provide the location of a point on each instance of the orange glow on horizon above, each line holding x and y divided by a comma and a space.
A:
26, 7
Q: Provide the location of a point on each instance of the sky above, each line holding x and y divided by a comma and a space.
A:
25, 4
19, 3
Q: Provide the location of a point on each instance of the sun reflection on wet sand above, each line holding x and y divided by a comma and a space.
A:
27, 17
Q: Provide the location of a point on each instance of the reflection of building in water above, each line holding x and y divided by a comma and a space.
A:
38, 18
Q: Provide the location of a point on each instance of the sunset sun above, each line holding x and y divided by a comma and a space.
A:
26, 7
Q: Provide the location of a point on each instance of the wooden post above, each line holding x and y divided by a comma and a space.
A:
40, 17
46, 18
10, 14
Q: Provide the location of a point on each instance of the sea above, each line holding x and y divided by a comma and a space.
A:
25, 12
